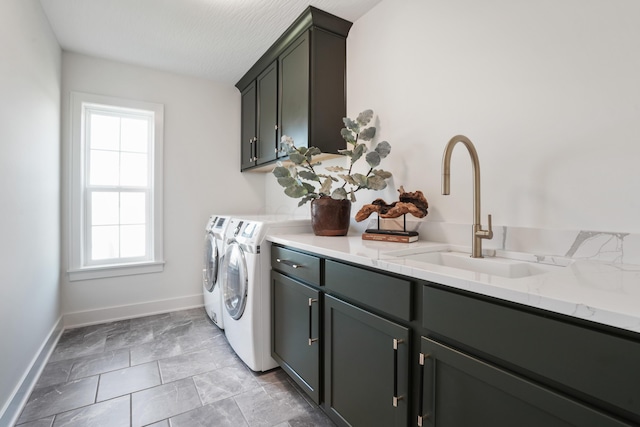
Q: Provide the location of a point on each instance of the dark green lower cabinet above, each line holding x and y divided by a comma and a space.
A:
295, 331
458, 390
366, 367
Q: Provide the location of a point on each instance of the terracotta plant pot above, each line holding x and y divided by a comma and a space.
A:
330, 217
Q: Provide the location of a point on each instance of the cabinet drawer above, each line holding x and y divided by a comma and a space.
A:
296, 264
590, 364
379, 291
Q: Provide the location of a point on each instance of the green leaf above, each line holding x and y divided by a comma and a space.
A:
352, 196
346, 152
297, 158
347, 135
287, 181
376, 183
303, 150
325, 188
373, 159
351, 125
348, 179
281, 172
382, 174
360, 179
310, 188
295, 191
339, 194
358, 151
383, 148
307, 198
365, 117
308, 175
367, 134
313, 151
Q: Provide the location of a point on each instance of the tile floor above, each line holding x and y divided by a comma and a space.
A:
174, 369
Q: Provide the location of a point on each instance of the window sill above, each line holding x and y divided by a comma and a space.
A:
99, 272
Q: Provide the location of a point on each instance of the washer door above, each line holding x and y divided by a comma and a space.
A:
211, 262
236, 280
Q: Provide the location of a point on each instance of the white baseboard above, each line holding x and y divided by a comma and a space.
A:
129, 311
14, 405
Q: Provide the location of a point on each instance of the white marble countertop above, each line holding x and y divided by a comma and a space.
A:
600, 292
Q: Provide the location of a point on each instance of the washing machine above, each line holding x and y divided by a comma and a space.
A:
246, 295
214, 248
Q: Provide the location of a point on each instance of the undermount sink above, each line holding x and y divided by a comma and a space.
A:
497, 266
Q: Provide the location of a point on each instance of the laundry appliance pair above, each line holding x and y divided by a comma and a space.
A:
243, 285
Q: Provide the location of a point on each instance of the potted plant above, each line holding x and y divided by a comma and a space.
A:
331, 206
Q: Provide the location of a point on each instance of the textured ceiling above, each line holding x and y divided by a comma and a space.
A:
214, 39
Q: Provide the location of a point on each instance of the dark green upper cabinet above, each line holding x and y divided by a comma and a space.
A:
248, 129
300, 90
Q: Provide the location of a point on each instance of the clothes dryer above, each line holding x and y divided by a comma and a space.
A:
214, 248
246, 285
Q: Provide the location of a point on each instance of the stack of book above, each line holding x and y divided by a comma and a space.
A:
390, 235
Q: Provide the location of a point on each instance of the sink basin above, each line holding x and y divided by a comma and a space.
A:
503, 267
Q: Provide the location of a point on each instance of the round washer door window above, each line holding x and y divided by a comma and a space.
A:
211, 261
236, 281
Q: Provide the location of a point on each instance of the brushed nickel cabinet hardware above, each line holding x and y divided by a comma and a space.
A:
311, 340
288, 263
421, 415
396, 398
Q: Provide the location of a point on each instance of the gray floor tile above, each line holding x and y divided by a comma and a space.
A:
172, 327
271, 404
223, 383
224, 413
99, 363
43, 422
272, 376
55, 373
129, 338
198, 339
78, 347
128, 380
112, 413
155, 404
314, 418
59, 398
154, 350
186, 365
163, 423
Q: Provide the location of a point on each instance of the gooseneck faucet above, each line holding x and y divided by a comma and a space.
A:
478, 232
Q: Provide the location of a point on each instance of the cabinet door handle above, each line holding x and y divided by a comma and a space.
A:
396, 398
421, 414
289, 263
311, 340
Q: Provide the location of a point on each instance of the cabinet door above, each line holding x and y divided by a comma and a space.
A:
294, 91
296, 328
248, 130
366, 367
458, 390
267, 86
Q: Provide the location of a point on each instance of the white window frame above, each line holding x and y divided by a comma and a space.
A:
80, 267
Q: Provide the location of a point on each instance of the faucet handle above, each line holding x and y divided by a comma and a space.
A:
486, 234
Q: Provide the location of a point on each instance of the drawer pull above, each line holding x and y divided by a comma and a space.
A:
311, 340
396, 398
288, 263
421, 415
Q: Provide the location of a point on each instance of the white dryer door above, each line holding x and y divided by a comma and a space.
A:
236, 280
211, 262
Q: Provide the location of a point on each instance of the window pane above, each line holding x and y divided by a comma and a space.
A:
132, 208
103, 168
135, 135
104, 208
132, 239
133, 169
104, 132
104, 242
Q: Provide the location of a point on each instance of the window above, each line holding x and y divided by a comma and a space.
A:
116, 180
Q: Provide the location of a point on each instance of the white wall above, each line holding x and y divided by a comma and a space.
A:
201, 177
29, 189
547, 90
